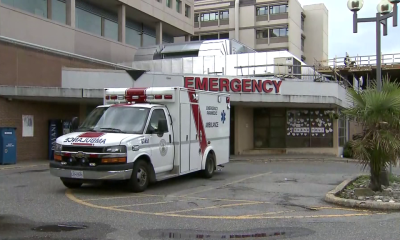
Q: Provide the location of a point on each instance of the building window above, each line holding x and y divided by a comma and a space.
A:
278, 9
224, 14
148, 40
278, 32
111, 30
262, 11
168, 3
132, 37
160, 1
209, 36
179, 6
269, 128
224, 36
205, 17
302, 43
262, 34
309, 128
342, 130
88, 22
59, 11
187, 11
196, 17
37, 7
302, 23
194, 38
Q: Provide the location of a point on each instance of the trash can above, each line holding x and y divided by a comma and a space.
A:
8, 144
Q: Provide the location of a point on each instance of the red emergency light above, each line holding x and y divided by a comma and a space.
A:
138, 95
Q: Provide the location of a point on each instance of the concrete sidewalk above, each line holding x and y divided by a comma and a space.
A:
26, 164
289, 157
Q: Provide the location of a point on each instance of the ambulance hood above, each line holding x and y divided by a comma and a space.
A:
95, 139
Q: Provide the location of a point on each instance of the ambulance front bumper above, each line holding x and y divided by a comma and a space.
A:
113, 172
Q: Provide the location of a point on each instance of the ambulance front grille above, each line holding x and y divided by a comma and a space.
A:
83, 149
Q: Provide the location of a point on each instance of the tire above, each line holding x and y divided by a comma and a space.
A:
71, 184
210, 165
140, 177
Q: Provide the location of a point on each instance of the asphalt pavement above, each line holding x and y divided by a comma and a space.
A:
247, 200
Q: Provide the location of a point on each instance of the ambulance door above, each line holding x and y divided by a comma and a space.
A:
185, 114
162, 148
195, 152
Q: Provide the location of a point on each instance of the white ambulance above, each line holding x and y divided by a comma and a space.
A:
143, 135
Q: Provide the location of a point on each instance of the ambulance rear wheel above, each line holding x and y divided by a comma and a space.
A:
71, 184
140, 177
210, 166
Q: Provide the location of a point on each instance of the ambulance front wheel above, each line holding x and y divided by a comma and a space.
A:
140, 177
210, 166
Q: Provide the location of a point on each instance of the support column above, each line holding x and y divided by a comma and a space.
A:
49, 12
121, 23
187, 38
71, 13
159, 34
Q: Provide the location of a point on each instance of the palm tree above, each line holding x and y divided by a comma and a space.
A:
379, 114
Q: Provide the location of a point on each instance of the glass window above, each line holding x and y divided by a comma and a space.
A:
109, 119
261, 34
196, 17
224, 14
262, 11
88, 21
187, 11
132, 37
148, 40
194, 38
157, 115
278, 9
224, 36
37, 7
179, 6
209, 37
111, 30
278, 32
59, 11
168, 3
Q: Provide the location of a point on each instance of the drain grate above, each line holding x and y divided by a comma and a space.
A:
59, 228
269, 233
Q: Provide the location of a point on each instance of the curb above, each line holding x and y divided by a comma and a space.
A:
330, 197
346, 160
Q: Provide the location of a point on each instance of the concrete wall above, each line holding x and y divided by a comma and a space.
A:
295, 30
23, 66
37, 30
244, 129
160, 11
316, 32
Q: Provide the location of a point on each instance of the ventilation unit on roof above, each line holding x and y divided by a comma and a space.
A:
287, 66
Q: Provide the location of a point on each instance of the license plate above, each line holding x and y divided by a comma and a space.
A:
76, 174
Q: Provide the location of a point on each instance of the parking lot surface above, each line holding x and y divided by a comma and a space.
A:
278, 200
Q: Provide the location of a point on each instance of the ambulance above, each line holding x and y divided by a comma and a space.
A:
141, 135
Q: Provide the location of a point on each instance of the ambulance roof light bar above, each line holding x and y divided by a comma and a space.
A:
139, 95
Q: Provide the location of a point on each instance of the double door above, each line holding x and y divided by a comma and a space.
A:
190, 139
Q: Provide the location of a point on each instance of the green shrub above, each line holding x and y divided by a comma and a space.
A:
347, 150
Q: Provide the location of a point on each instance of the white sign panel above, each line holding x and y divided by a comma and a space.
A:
27, 126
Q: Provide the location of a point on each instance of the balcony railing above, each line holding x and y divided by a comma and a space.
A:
360, 61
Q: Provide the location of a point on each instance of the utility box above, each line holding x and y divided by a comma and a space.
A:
8, 144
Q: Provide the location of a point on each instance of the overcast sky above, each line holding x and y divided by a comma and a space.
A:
341, 36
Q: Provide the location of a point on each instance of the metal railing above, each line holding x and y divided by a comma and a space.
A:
360, 61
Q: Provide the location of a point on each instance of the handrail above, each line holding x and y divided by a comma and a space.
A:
62, 53
361, 61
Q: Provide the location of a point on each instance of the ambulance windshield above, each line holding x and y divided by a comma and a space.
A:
116, 119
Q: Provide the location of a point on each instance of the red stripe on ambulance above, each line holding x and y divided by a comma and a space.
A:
198, 120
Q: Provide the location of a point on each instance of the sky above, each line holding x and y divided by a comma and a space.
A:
341, 36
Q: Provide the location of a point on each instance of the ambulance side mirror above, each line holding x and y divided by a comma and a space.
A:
162, 126
74, 124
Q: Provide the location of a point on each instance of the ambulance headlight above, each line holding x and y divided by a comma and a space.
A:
58, 147
115, 149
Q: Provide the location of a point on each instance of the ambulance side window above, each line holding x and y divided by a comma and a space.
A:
158, 114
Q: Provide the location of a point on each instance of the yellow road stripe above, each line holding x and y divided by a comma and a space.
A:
237, 181
109, 198
212, 207
145, 204
268, 213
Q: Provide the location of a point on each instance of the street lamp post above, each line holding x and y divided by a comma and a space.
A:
384, 9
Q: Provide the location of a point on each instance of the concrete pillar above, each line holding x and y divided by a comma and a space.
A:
187, 38
49, 12
71, 13
159, 32
121, 23
335, 126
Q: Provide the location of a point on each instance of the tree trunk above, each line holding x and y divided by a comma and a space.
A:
375, 184
384, 178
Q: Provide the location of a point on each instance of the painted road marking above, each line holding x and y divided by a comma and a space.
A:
212, 207
267, 215
237, 181
22, 167
136, 196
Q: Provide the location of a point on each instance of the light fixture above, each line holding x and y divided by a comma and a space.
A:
394, 1
384, 7
355, 5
